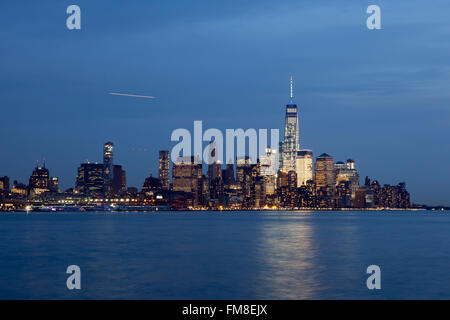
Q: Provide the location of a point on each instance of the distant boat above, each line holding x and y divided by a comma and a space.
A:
58, 209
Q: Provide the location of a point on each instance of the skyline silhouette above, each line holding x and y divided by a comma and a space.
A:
378, 97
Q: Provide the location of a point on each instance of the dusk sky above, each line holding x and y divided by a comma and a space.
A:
380, 97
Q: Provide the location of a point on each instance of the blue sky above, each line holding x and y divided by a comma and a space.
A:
380, 97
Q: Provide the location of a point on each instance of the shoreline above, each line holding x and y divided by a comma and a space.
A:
304, 210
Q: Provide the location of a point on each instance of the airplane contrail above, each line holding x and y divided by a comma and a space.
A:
131, 95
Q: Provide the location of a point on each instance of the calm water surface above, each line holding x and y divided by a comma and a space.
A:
234, 255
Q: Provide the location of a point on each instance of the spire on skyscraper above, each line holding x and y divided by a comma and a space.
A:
292, 91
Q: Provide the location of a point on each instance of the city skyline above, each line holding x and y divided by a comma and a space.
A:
289, 159
201, 182
375, 99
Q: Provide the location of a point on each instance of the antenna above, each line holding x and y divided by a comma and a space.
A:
292, 91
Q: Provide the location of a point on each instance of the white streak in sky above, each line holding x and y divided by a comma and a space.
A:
130, 95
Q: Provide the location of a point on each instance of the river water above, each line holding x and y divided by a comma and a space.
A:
226, 255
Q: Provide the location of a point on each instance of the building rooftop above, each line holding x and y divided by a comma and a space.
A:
324, 155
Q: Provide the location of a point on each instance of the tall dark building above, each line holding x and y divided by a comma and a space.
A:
246, 174
54, 185
151, 184
90, 179
214, 164
39, 181
215, 171
228, 175
367, 182
108, 149
292, 179
119, 183
243, 168
164, 168
214, 175
4, 185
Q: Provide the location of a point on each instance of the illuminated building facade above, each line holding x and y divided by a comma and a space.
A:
164, 168
291, 142
324, 171
292, 180
108, 160
90, 179
325, 179
39, 181
346, 172
282, 179
19, 189
267, 163
243, 167
187, 177
304, 167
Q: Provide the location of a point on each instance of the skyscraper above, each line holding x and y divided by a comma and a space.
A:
304, 167
324, 172
39, 181
243, 168
90, 179
267, 163
108, 148
164, 167
214, 164
350, 164
291, 142
4, 185
228, 174
347, 173
292, 179
119, 182
187, 176
54, 185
